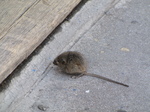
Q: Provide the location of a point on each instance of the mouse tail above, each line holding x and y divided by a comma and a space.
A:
107, 79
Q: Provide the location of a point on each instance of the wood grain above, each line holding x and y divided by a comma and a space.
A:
24, 25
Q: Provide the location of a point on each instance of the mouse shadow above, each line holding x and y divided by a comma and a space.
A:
61, 74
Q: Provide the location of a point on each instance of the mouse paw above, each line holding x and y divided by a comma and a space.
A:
74, 77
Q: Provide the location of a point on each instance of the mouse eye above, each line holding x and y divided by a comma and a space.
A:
63, 62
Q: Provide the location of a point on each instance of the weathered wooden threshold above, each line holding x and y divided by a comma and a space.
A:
24, 25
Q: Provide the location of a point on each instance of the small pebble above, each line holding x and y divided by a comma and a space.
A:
41, 107
125, 49
87, 91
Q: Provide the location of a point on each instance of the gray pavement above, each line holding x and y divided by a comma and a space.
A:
114, 37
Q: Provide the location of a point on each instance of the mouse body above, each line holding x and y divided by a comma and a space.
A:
73, 63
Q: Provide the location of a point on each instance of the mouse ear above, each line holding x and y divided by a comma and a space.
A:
63, 61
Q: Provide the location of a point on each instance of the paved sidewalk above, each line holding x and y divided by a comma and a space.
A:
113, 35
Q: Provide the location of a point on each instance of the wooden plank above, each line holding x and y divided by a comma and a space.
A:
11, 11
29, 30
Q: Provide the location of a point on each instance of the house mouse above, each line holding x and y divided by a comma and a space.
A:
72, 62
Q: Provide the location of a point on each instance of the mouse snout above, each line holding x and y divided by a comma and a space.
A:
55, 62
